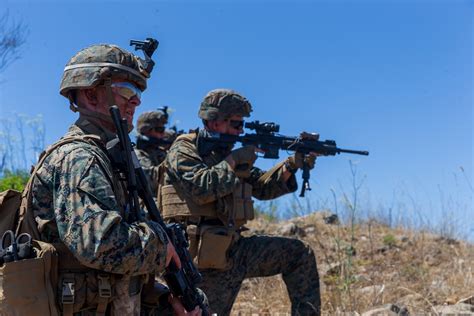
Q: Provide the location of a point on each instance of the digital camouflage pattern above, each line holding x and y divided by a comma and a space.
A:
150, 159
90, 66
208, 177
261, 256
151, 119
221, 104
79, 201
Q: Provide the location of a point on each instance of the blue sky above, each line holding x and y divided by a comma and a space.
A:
391, 77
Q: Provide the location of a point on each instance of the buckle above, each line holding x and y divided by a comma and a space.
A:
67, 296
105, 288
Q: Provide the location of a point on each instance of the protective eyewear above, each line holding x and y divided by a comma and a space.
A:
236, 124
159, 129
127, 90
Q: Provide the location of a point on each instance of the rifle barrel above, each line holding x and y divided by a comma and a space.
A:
350, 151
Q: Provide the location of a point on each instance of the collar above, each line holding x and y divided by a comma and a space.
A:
90, 127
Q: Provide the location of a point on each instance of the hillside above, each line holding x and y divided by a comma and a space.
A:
415, 272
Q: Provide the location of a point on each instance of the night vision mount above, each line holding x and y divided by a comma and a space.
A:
148, 47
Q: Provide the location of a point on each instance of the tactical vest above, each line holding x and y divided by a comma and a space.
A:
69, 285
233, 210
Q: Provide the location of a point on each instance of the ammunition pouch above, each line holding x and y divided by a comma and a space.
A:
175, 204
239, 205
209, 246
236, 208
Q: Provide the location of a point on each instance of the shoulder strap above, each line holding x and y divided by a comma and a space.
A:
25, 217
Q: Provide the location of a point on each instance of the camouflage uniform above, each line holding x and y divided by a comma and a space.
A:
150, 159
79, 203
149, 151
204, 178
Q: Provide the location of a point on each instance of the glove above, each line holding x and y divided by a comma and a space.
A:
296, 161
244, 157
243, 172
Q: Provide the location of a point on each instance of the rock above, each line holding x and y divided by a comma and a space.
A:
458, 309
334, 269
387, 310
310, 230
332, 219
291, 229
372, 291
412, 300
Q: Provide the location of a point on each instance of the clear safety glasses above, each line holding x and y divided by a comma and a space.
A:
126, 89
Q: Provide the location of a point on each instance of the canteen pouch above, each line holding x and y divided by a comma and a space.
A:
213, 248
26, 286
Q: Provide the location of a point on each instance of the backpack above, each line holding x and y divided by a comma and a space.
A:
28, 286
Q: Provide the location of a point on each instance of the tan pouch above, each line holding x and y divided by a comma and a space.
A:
242, 204
10, 201
193, 238
214, 245
175, 204
25, 285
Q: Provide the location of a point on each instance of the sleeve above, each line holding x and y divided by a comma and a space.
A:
203, 184
89, 221
269, 184
151, 170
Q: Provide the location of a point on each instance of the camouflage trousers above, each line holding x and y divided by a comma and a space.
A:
260, 256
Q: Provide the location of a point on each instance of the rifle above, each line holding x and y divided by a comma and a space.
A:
181, 282
267, 139
144, 141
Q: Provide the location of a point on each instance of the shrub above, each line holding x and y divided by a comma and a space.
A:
14, 180
389, 240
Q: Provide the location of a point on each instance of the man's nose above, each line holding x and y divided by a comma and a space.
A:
134, 101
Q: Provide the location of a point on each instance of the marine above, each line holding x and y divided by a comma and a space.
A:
153, 140
79, 200
209, 189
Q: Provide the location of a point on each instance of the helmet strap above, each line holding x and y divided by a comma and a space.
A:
108, 91
111, 100
91, 115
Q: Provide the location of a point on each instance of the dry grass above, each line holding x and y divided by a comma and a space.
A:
417, 270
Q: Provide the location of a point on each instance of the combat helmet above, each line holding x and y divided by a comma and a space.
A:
151, 119
93, 65
220, 104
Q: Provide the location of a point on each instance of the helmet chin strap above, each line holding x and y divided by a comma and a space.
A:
110, 98
90, 114
96, 116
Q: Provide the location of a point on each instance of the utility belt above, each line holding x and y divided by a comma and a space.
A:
81, 288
